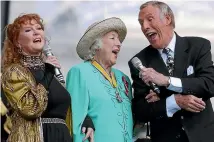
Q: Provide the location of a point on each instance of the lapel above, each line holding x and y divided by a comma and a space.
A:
156, 62
180, 56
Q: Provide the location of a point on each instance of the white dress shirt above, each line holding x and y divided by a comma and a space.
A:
175, 83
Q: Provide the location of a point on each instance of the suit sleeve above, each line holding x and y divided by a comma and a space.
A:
76, 86
142, 110
202, 85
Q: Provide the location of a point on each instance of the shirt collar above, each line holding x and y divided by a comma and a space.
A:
171, 45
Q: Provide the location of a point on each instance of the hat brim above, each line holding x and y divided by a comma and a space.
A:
98, 30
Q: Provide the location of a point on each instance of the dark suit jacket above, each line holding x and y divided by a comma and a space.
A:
199, 127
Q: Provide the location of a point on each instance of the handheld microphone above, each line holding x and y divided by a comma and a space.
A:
58, 73
138, 65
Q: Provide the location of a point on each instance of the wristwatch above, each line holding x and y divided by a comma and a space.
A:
169, 82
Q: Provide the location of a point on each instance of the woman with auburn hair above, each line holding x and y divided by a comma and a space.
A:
40, 104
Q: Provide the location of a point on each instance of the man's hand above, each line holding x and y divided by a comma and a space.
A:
150, 75
152, 97
190, 103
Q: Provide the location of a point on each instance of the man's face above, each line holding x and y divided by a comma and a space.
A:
155, 26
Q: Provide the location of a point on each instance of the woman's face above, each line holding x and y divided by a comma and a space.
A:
31, 38
110, 49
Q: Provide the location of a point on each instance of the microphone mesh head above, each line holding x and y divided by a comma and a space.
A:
47, 51
136, 62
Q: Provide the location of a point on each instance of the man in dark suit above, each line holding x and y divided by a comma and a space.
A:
182, 67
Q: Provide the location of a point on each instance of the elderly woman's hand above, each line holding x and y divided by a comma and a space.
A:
53, 61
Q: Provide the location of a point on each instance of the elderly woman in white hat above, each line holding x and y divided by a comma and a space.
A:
98, 90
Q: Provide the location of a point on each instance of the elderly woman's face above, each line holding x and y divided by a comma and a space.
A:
110, 48
31, 38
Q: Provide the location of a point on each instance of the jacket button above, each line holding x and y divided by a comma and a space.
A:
178, 136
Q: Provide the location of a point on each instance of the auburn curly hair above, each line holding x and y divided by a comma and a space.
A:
10, 49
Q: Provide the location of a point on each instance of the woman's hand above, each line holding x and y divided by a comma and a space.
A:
53, 61
88, 129
89, 134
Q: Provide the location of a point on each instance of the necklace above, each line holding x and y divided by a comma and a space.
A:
32, 62
111, 79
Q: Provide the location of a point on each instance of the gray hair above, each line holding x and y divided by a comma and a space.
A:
96, 45
164, 8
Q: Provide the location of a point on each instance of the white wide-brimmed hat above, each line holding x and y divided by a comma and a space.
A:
98, 29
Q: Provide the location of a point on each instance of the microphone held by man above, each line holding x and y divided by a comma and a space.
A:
138, 65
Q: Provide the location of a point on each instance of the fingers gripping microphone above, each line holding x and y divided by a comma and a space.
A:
58, 73
138, 65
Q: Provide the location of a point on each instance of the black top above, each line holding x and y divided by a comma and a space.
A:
58, 103
58, 97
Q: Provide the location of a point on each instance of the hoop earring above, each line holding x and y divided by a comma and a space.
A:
19, 50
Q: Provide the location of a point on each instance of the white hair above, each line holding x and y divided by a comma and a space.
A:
164, 8
92, 51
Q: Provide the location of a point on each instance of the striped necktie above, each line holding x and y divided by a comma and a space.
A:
169, 61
